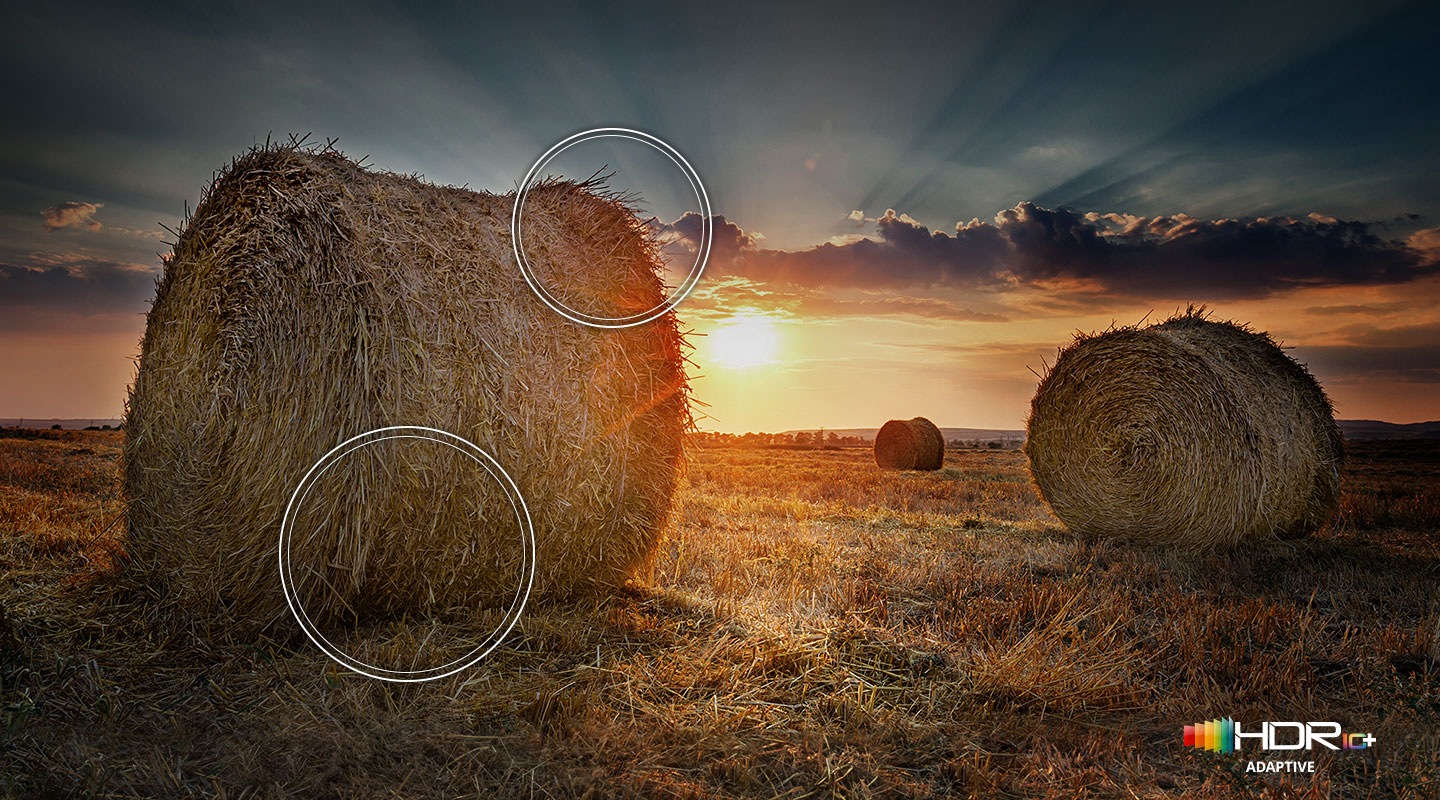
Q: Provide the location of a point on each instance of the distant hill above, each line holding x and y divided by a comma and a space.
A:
950, 434
65, 424
1352, 428
1375, 429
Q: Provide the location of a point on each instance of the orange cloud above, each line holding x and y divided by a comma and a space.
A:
71, 214
1426, 242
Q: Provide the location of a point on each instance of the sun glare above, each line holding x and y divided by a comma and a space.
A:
746, 340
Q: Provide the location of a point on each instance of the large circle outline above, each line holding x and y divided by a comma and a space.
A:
702, 256
493, 468
349, 660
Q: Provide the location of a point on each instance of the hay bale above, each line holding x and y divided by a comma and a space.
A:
1191, 431
309, 300
909, 444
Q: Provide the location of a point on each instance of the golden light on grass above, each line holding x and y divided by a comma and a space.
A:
748, 339
811, 622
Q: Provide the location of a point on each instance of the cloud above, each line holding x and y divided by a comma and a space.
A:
1167, 256
1408, 364
724, 297
71, 214
1426, 242
139, 233
49, 297
1002, 356
825, 305
1371, 309
727, 240
1407, 353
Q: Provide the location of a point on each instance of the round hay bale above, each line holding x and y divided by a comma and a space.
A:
1191, 431
909, 444
309, 300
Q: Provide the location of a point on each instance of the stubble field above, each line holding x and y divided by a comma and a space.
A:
813, 627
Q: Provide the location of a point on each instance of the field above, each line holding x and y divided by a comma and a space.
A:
813, 628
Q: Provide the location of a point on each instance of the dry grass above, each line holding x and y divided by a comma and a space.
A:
815, 627
1392, 485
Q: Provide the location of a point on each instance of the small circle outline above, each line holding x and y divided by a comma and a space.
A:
493, 468
702, 257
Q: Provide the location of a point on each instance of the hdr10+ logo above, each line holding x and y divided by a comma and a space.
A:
1228, 736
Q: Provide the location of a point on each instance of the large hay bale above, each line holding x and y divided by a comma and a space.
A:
1191, 431
309, 300
909, 444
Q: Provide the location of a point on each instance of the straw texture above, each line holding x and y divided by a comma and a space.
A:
1194, 432
909, 444
309, 300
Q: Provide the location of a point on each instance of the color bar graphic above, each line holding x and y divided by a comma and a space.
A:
1217, 735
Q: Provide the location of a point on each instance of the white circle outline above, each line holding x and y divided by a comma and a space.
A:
350, 661
702, 257
522, 515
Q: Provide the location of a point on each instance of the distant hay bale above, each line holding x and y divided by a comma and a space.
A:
1191, 431
310, 300
909, 444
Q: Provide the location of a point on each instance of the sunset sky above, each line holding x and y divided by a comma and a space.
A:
915, 205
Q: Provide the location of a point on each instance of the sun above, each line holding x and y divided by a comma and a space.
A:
744, 340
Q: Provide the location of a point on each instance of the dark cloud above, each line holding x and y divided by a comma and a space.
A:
41, 297
71, 214
727, 241
1408, 353
1421, 335
1409, 364
1162, 256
